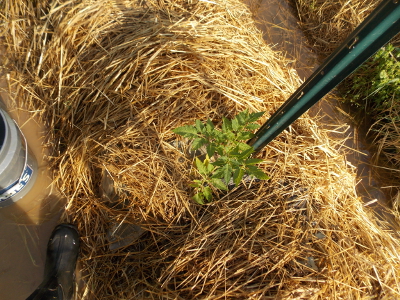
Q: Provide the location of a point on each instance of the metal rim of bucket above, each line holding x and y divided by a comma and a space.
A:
8, 148
18, 185
26, 152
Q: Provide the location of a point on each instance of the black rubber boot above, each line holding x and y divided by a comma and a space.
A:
62, 254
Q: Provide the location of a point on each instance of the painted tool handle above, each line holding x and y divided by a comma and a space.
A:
376, 30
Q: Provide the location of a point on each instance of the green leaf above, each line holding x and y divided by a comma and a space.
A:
198, 143
210, 168
237, 176
199, 126
235, 124
252, 126
242, 118
256, 172
196, 184
226, 124
207, 193
227, 173
230, 136
235, 164
253, 161
255, 116
216, 182
234, 152
245, 135
220, 150
218, 173
244, 146
211, 149
199, 198
246, 153
221, 161
240, 161
200, 166
218, 135
209, 126
186, 131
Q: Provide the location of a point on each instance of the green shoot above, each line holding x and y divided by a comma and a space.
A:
228, 154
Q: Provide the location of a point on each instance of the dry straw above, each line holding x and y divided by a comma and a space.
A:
111, 79
327, 24
386, 137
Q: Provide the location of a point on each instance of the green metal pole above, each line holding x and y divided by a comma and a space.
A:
376, 30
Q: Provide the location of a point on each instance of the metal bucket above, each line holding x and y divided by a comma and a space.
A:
18, 168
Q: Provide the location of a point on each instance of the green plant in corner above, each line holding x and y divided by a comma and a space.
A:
228, 154
375, 86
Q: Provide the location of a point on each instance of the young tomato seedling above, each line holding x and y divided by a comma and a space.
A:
228, 155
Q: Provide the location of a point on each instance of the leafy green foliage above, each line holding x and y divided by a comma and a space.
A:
375, 86
228, 155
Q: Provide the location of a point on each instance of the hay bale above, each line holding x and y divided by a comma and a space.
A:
112, 78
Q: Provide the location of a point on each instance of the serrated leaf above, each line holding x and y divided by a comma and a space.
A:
256, 172
195, 184
218, 173
226, 124
199, 198
220, 150
199, 126
235, 124
241, 117
252, 126
211, 149
207, 192
234, 152
200, 166
237, 176
245, 135
236, 163
216, 182
198, 143
241, 160
218, 135
230, 136
246, 153
253, 161
209, 126
227, 173
244, 147
255, 116
206, 160
186, 131
210, 168
221, 161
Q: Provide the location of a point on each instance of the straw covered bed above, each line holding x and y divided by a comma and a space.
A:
110, 79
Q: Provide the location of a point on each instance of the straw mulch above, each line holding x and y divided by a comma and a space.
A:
385, 132
328, 23
111, 79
